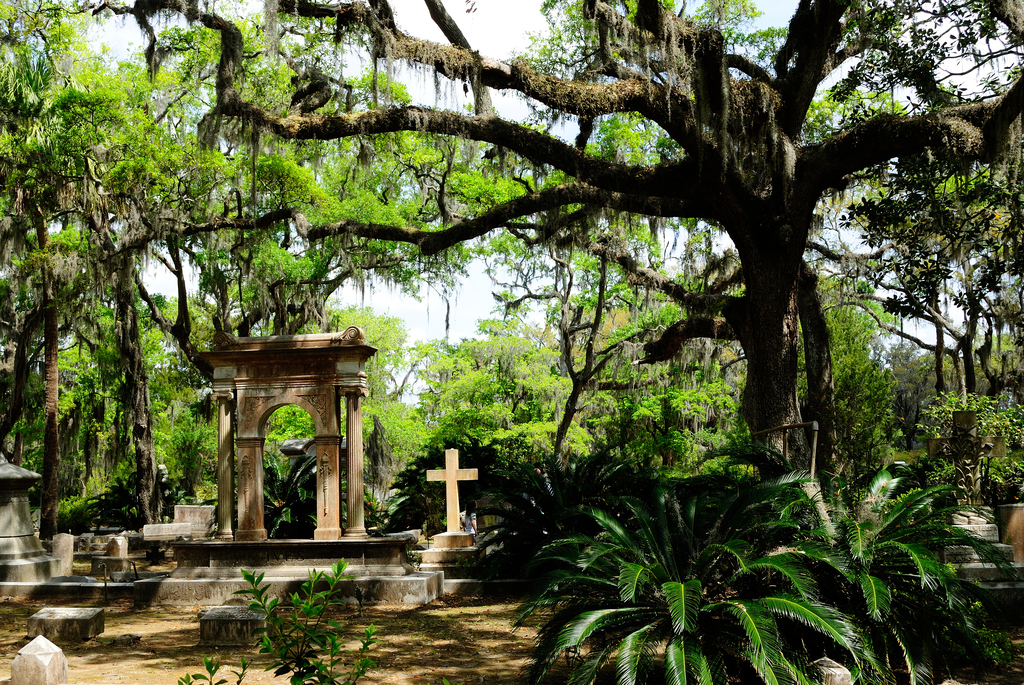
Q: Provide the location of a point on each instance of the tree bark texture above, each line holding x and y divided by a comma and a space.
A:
50, 499
135, 396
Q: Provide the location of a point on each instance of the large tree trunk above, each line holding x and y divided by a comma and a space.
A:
135, 396
821, 390
50, 500
768, 326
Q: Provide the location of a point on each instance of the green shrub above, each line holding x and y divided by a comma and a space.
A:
75, 515
302, 641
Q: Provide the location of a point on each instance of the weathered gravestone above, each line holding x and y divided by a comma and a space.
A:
201, 517
64, 551
40, 662
967, 449
115, 558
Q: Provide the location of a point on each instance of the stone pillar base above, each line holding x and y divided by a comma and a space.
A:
327, 534
452, 540
251, 535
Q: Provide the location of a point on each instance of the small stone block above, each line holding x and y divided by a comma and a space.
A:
40, 662
66, 624
230, 625
64, 551
833, 672
117, 547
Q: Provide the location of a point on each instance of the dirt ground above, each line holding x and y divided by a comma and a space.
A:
465, 640
468, 641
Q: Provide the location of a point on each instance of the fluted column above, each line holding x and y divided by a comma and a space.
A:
354, 489
250, 490
225, 465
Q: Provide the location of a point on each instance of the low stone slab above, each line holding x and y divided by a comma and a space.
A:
415, 588
40, 662
167, 531
66, 624
230, 625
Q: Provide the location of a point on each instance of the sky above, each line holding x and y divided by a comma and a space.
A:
496, 28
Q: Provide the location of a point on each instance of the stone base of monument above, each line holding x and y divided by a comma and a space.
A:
66, 625
455, 562
452, 540
32, 567
210, 571
230, 625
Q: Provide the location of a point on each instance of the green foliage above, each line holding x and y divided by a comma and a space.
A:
536, 503
882, 570
118, 506
701, 580
303, 641
993, 417
75, 515
305, 645
289, 497
863, 414
193, 451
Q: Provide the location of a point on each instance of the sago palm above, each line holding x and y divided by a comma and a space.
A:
697, 586
887, 576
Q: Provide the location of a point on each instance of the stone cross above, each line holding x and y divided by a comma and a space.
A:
451, 474
967, 449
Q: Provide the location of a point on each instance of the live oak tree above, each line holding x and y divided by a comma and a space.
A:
734, 147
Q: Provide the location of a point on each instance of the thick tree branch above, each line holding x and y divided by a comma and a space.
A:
666, 347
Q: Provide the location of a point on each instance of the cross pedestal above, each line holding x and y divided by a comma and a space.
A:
451, 474
967, 449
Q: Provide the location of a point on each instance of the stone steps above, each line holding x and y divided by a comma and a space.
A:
980, 572
967, 555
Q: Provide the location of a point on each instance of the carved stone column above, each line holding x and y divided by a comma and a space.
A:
328, 487
250, 490
225, 465
355, 527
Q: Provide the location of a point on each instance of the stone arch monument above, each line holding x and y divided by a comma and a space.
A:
253, 377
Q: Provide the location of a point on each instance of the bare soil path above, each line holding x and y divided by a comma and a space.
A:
466, 640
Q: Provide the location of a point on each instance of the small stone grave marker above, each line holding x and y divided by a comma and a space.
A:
64, 551
67, 624
230, 625
117, 547
40, 662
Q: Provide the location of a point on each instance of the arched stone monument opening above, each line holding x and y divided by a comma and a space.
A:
323, 374
253, 377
